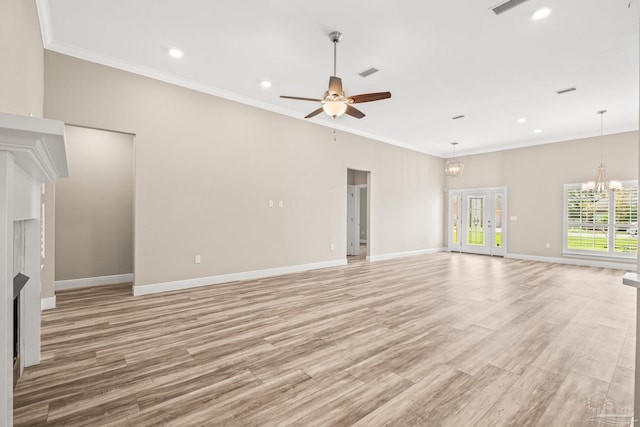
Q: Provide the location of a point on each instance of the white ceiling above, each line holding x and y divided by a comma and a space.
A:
438, 59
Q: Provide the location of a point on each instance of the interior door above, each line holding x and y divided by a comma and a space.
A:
476, 221
353, 220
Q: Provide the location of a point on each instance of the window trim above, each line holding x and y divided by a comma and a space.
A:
584, 253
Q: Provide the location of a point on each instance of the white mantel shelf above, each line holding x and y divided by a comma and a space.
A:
38, 145
631, 279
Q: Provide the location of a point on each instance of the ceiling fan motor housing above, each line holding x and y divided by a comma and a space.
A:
335, 36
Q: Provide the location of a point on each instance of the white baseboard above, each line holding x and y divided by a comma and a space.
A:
154, 288
395, 255
48, 303
93, 281
577, 261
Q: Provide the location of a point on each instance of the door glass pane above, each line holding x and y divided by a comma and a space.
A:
455, 215
498, 221
475, 224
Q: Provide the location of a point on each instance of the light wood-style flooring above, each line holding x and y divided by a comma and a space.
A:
435, 340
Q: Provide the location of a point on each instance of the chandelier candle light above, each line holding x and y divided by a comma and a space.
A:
454, 167
600, 185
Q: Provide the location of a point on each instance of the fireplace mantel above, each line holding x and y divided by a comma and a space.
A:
38, 145
32, 152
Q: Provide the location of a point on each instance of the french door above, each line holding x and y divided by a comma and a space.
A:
476, 221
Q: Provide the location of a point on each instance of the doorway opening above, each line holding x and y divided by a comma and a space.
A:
476, 221
358, 203
94, 210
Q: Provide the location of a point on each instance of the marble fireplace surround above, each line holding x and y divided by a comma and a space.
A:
32, 152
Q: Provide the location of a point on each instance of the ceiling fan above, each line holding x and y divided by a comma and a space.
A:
334, 102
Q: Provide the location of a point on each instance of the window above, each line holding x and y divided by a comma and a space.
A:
603, 224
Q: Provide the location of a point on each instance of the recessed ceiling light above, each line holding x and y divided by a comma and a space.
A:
521, 120
541, 13
176, 53
265, 84
537, 131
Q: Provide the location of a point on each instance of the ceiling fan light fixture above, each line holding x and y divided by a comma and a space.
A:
334, 108
334, 102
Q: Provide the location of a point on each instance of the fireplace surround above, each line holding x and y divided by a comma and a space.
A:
32, 152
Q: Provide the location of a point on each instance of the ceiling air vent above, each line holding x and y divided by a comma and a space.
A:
503, 7
570, 89
368, 72
461, 116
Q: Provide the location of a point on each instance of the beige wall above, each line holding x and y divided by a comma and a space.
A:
94, 206
535, 178
206, 168
22, 69
22, 91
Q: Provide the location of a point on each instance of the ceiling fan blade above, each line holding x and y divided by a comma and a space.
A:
313, 113
300, 99
368, 97
335, 86
354, 112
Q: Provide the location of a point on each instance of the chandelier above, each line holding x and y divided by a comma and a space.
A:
600, 185
454, 167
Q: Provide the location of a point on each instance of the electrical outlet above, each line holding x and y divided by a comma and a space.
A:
332, 247
548, 245
197, 259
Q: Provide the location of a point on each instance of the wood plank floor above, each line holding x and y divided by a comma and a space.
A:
435, 340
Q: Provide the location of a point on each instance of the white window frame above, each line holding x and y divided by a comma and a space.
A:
611, 226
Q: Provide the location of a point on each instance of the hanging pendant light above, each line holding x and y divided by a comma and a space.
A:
600, 185
454, 167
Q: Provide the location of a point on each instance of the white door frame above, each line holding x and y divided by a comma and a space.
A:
493, 221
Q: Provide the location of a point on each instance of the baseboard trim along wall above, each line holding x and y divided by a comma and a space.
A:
93, 281
395, 255
577, 261
48, 303
154, 288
